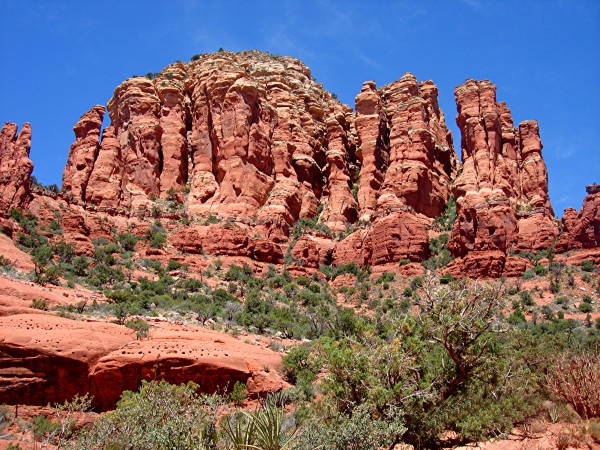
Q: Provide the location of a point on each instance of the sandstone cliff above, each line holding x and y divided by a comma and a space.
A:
15, 166
502, 192
247, 144
582, 229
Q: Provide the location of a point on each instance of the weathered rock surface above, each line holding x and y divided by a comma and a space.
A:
15, 167
406, 150
83, 152
502, 192
45, 359
251, 141
582, 229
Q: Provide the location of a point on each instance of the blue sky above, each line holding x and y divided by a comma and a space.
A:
59, 58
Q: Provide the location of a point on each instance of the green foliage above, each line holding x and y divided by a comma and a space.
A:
42, 427
587, 265
541, 270
159, 416
175, 265
303, 225
449, 355
585, 307
446, 221
38, 303
239, 393
332, 272
270, 428
127, 241
386, 277
157, 240
526, 298
140, 327
441, 257
528, 274
64, 251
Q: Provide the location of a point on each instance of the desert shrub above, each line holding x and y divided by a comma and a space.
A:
80, 265
585, 307
239, 393
64, 251
526, 298
528, 274
447, 219
140, 327
158, 240
127, 241
541, 270
587, 265
43, 428
441, 257
576, 379
38, 303
159, 416
386, 277
422, 375
173, 265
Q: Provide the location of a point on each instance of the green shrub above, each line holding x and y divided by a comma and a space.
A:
127, 241
158, 240
38, 303
173, 265
159, 416
140, 327
585, 307
42, 427
587, 265
526, 298
239, 393
528, 274
541, 270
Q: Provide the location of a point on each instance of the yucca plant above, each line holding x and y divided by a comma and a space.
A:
270, 433
239, 431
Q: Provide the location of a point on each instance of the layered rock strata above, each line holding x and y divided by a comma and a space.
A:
15, 167
582, 229
502, 192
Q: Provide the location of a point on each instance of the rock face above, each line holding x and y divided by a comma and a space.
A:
83, 152
249, 143
247, 136
253, 138
502, 192
582, 230
15, 166
50, 359
405, 148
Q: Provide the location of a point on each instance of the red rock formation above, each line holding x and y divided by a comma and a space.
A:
312, 251
406, 150
50, 359
83, 152
502, 192
250, 135
582, 230
15, 167
104, 187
